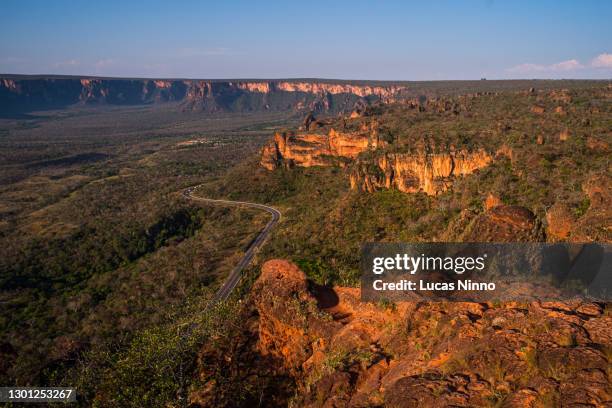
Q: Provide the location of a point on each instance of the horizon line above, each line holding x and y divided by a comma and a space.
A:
84, 76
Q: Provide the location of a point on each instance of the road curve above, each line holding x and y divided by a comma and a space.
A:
234, 277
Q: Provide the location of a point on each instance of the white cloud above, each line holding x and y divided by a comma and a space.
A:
569, 65
573, 65
602, 61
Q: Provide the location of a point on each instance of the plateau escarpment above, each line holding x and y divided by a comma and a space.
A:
21, 94
310, 148
357, 143
430, 173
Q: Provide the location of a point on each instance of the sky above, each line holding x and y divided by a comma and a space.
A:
385, 40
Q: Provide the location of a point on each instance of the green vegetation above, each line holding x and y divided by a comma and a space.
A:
100, 256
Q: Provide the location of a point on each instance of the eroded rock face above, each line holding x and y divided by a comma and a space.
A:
420, 172
25, 94
308, 149
288, 327
342, 352
386, 93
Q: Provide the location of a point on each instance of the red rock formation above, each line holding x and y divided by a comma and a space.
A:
343, 352
384, 92
492, 201
308, 149
564, 135
431, 173
597, 144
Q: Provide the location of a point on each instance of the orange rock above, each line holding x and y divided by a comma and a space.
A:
492, 201
537, 109
564, 135
419, 354
410, 173
385, 92
596, 144
560, 221
505, 151
308, 149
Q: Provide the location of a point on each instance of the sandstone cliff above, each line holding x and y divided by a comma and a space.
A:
23, 93
429, 173
318, 149
424, 169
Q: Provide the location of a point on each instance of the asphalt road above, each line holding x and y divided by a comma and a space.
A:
234, 277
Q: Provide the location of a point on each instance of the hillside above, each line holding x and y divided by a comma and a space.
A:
527, 165
107, 270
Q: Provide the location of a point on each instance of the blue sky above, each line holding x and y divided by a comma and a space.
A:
401, 40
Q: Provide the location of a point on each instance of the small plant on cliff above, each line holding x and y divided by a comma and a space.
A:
318, 271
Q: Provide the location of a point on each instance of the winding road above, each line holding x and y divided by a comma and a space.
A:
234, 277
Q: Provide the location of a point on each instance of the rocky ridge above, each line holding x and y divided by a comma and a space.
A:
26, 94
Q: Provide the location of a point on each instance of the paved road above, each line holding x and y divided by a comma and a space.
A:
234, 277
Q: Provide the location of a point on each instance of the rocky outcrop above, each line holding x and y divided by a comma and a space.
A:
431, 173
318, 144
491, 201
505, 223
24, 93
595, 223
587, 221
322, 148
340, 351
385, 93
559, 221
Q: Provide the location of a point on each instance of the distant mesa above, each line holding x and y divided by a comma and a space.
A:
24, 94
